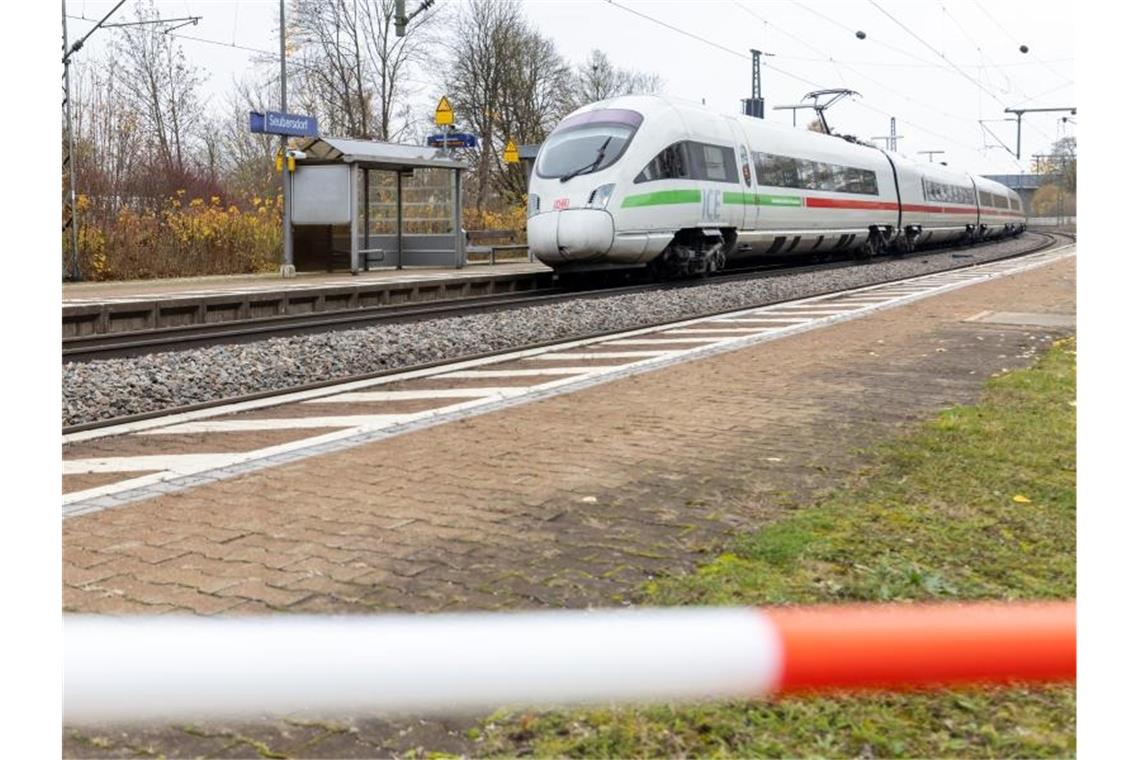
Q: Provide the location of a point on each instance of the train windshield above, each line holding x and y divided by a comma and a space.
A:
587, 143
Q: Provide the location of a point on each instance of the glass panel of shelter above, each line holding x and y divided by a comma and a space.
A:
402, 212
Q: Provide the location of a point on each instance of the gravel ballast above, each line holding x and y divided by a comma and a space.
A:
101, 390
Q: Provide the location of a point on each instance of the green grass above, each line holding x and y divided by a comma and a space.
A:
979, 503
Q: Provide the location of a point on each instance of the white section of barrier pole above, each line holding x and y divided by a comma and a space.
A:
130, 668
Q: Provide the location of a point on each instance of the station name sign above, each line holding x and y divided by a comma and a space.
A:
452, 140
291, 124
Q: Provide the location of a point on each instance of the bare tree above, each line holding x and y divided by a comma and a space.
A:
537, 92
351, 69
108, 134
162, 88
484, 33
247, 158
598, 79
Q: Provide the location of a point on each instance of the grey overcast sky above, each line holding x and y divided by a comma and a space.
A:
938, 66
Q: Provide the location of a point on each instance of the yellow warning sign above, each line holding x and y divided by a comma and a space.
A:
443, 113
511, 153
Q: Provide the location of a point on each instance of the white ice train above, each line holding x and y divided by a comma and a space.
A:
647, 180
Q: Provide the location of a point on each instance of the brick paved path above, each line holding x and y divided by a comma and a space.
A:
567, 502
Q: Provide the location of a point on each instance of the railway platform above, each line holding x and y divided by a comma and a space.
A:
93, 308
572, 499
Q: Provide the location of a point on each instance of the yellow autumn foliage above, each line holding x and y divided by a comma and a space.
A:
181, 239
508, 218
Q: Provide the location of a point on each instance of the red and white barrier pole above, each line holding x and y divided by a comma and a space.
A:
129, 669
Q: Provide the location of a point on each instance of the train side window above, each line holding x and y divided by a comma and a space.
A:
796, 173
868, 182
775, 171
824, 177
845, 179
670, 163
987, 198
1015, 203
849, 180
1001, 201
714, 162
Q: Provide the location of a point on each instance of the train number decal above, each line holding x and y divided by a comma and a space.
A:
711, 202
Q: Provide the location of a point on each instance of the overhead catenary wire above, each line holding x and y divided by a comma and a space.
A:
803, 80
874, 40
983, 55
199, 39
988, 62
848, 65
1016, 41
937, 52
866, 76
951, 67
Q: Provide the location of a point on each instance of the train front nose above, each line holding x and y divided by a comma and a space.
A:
580, 235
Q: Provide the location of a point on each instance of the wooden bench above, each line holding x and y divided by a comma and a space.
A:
494, 243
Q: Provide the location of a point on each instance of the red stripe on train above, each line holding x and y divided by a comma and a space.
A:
813, 202
838, 203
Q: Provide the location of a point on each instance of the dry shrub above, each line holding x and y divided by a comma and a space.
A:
508, 218
179, 239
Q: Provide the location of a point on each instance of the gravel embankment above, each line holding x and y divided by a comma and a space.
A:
115, 387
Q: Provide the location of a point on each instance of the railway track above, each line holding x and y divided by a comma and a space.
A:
134, 343
1049, 239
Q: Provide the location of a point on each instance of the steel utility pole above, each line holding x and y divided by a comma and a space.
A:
754, 106
402, 20
892, 140
287, 268
930, 153
69, 210
1020, 111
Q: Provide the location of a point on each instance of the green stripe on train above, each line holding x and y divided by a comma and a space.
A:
662, 198
752, 199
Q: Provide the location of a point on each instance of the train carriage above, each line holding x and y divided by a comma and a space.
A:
648, 180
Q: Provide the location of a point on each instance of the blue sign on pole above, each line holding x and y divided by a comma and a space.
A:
274, 123
452, 140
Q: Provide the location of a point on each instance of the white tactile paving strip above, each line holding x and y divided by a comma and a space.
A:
656, 347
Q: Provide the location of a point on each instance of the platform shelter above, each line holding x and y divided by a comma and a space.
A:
361, 204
